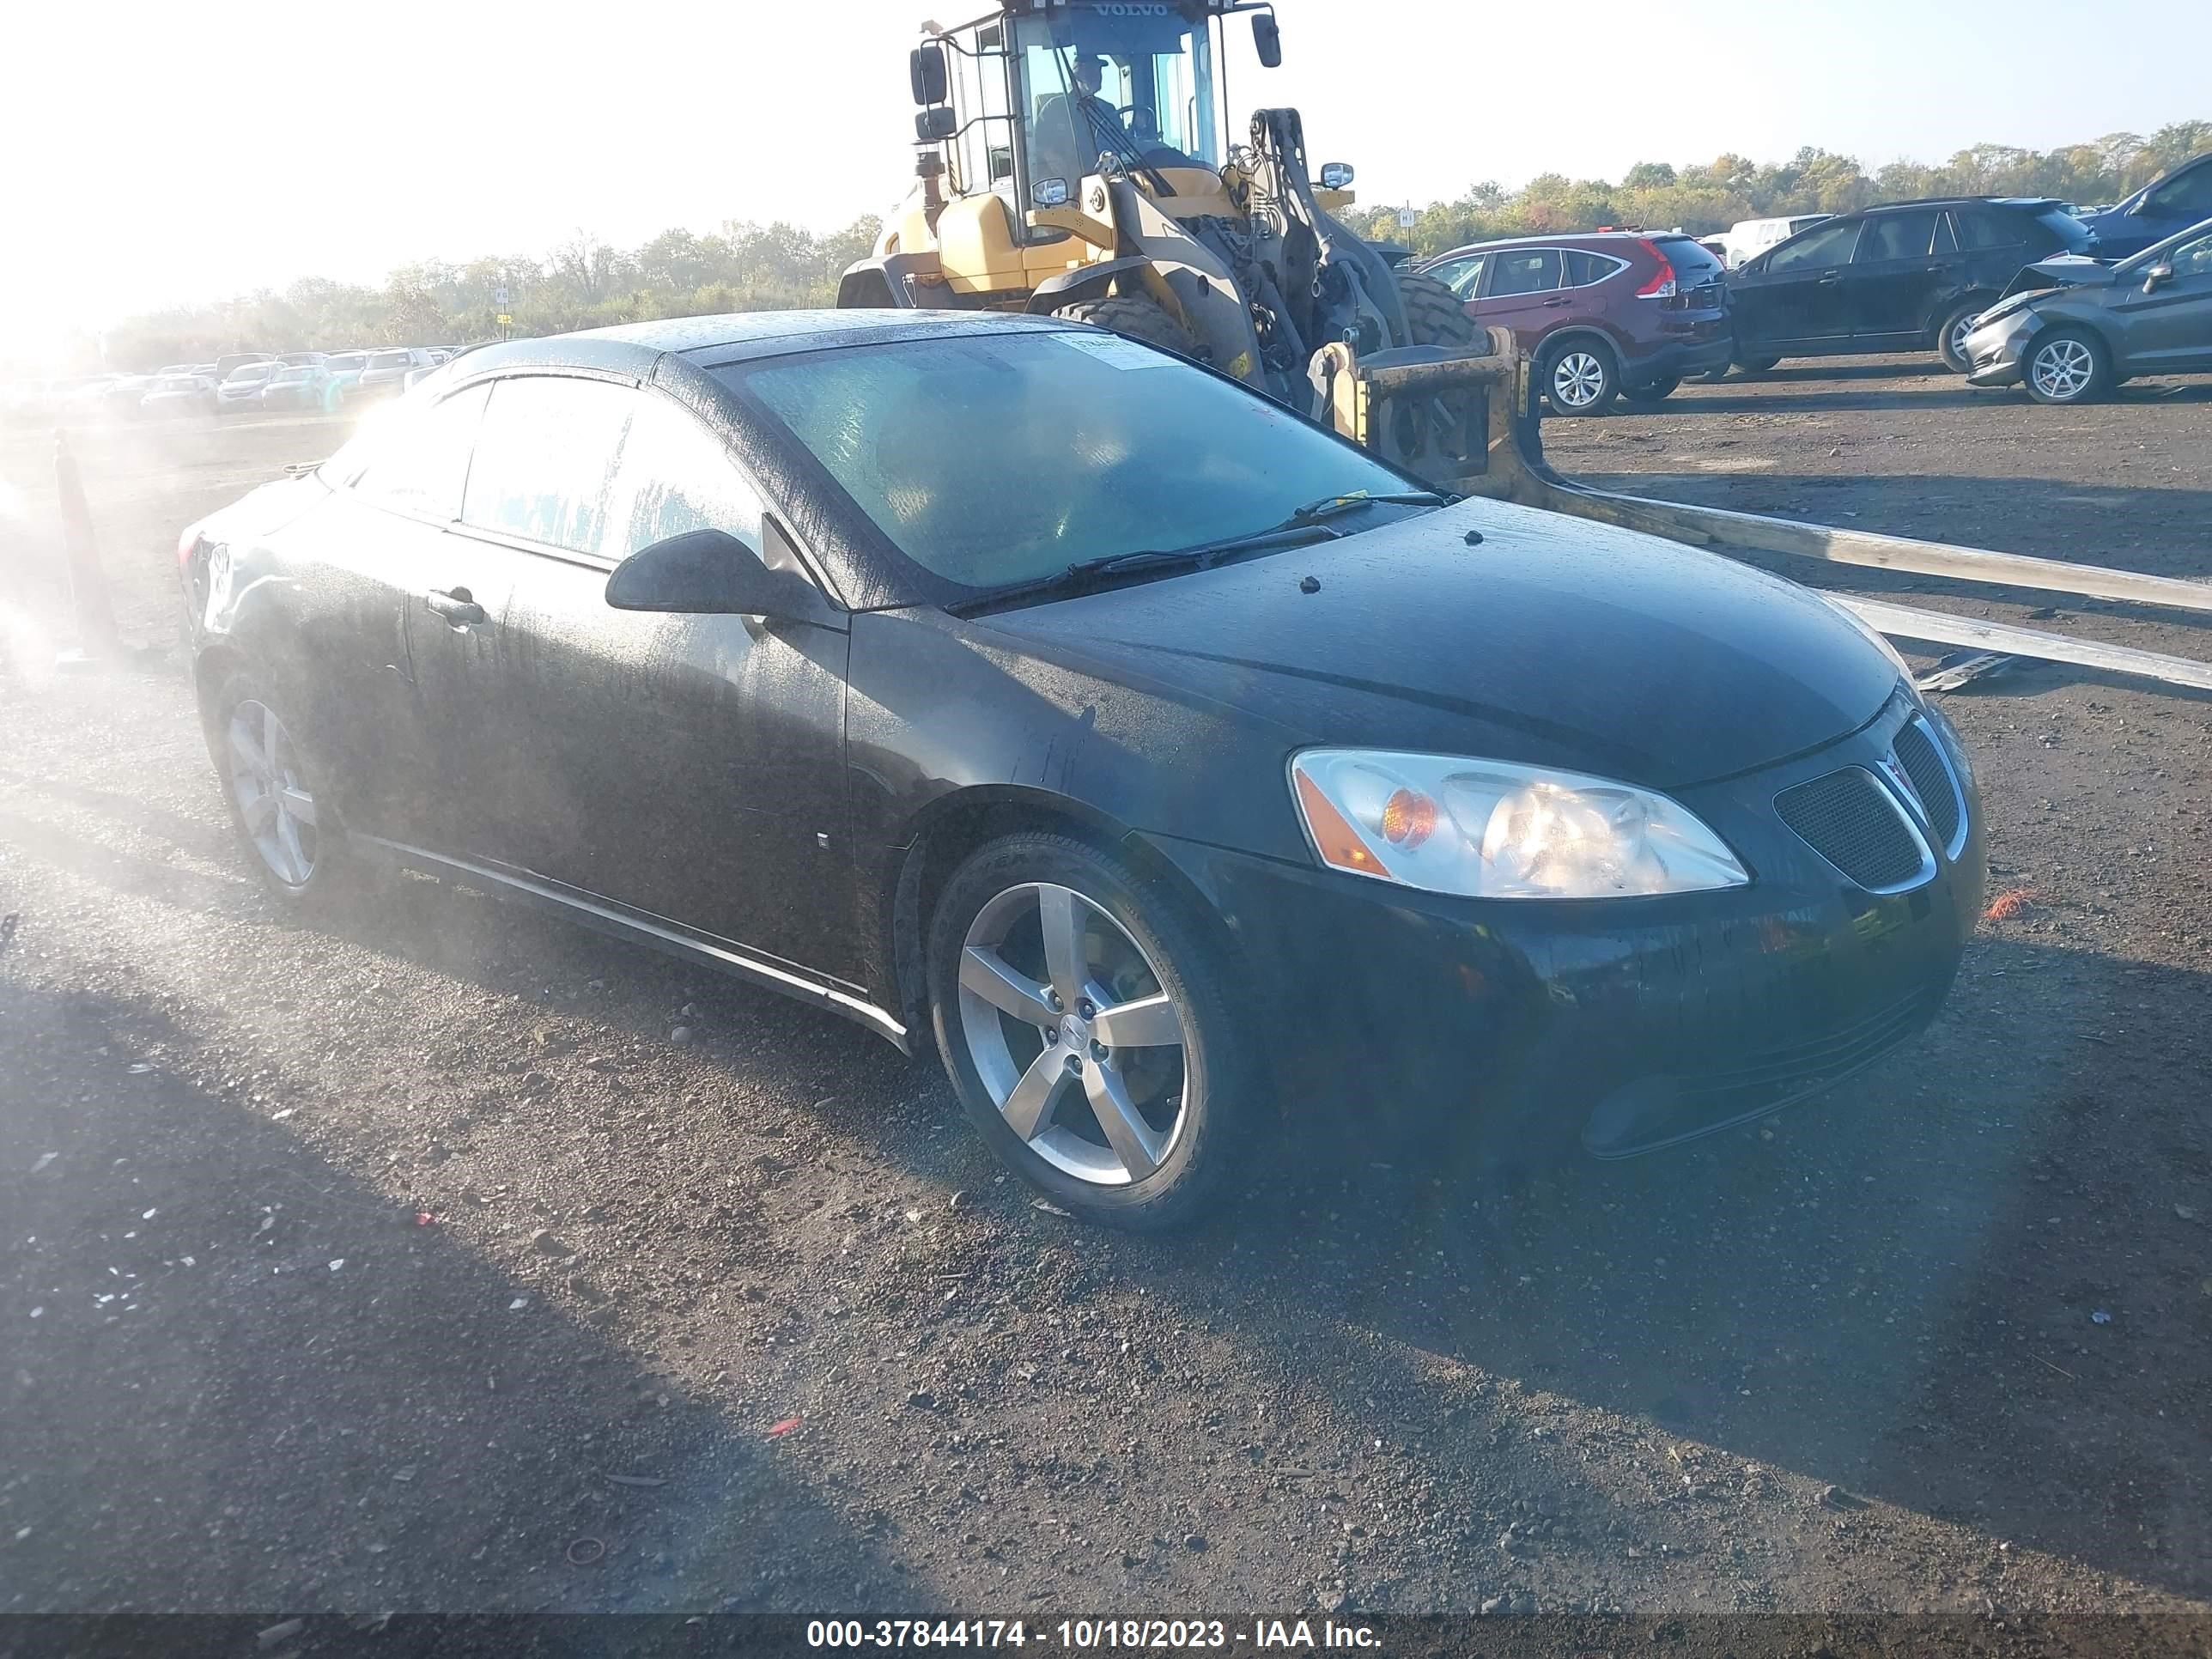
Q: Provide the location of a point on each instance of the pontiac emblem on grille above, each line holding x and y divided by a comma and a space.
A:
1895, 770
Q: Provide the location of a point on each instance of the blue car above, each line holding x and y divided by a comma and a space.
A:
2169, 203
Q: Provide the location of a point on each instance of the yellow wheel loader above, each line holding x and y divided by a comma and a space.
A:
1072, 159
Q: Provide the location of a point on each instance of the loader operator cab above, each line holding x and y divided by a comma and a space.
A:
1133, 84
1040, 97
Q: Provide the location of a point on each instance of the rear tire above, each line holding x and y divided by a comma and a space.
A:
1135, 316
1578, 376
1652, 391
1435, 315
2067, 366
1756, 364
1951, 335
1188, 1081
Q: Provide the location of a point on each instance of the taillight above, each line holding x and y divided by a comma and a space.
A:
188, 543
1661, 284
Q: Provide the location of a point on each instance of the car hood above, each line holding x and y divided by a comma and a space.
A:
2046, 275
1555, 641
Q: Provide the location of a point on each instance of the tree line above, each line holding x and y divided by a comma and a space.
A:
1702, 199
586, 283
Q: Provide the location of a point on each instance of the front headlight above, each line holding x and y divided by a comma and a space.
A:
1492, 830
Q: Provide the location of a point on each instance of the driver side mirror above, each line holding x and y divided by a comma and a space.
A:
2161, 272
1267, 39
925, 69
1336, 175
934, 127
711, 573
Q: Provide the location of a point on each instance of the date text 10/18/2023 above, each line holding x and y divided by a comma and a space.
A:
1088, 1635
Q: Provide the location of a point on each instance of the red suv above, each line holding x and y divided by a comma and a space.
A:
1610, 314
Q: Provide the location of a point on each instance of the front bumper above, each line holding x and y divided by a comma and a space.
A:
1997, 353
1629, 1025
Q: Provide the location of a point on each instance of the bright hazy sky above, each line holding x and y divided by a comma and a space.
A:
159, 152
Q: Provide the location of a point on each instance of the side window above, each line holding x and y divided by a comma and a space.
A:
1945, 241
1897, 236
1462, 276
545, 461
1817, 249
1525, 271
2189, 196
1980, 228
417, 465
676, 477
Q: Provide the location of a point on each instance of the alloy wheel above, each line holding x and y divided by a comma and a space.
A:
1959, 331
1576, 380
2062, 369
1073, 1035
273, 798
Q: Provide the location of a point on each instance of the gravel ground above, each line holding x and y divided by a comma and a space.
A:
413, 1264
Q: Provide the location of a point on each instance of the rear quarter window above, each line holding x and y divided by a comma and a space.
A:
1981, 228
1584, 269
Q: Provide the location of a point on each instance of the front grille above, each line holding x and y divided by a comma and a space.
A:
1923, 764
1848, 820
1846, 1048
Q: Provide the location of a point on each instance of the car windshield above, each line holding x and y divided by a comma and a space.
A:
245, 373
2185, 253
347, 360
992, 461
392, 360
290, 374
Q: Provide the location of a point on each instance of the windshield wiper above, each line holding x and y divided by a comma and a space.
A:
1305, 524
1088, 573
1330, 506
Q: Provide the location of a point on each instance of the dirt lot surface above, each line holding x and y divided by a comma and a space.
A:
416, 1265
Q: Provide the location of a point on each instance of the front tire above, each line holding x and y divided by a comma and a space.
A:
1137, 317
1082, 1013
1578, 376
1951, 334
286, 827
1435, 315
2067, 366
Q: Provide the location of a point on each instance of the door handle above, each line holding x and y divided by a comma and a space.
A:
1557, 305
1832, 277
457, 605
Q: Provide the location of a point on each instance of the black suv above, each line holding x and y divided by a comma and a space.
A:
1911, 275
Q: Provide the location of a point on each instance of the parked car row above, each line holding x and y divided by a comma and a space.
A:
1631, 314
240, 383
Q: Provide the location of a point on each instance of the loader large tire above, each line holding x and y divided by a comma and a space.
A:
1434, 314
1135, 316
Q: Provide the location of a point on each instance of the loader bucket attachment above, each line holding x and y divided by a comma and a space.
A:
1447, 417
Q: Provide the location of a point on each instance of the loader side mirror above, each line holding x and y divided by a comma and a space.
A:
925, 69
934, 127
1336, 175
1267, 39
2158, 273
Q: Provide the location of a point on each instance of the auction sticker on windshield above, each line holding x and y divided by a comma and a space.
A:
1122, 354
